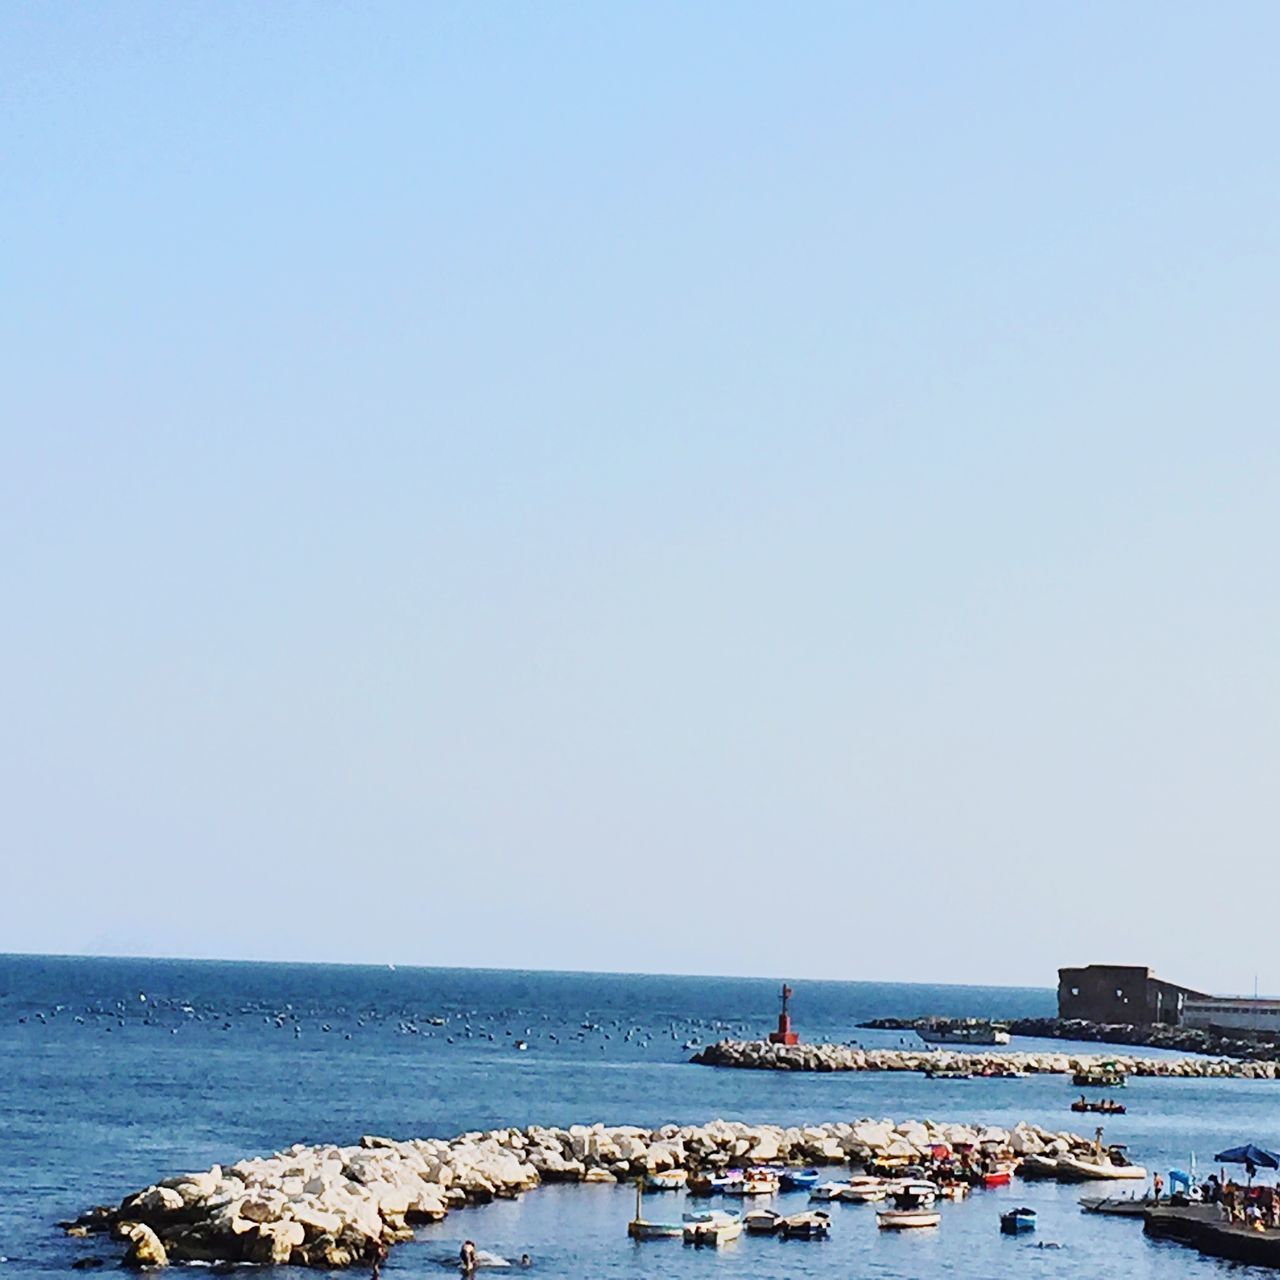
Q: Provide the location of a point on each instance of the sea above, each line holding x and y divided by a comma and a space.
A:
117, 1072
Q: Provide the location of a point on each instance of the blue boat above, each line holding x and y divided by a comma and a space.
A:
1017, 1221
799, 1179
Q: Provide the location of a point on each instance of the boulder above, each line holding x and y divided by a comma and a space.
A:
145, 1248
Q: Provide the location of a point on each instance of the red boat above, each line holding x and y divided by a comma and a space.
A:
997, 1177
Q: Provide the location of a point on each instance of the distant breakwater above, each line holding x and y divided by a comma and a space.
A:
1182, 1039
760, 1055
329, 1206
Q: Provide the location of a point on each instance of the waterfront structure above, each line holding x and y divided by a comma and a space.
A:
1121, 993
1233, 1015
784, 1033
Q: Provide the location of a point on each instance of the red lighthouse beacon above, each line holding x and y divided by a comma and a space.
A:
784, 1034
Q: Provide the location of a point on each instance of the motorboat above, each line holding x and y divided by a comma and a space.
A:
755, 1182
799, 1179
762, 1222
830, 1191
813, 1225
906, 1219
864, 1191
714, 1228
1017, 1221
667, 1180
973, 1031
1038, 1167
1104, 1077
1098, 1168
1104, 1107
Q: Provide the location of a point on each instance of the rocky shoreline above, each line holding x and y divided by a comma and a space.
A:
760, 1055
332, 1207
1183, 1039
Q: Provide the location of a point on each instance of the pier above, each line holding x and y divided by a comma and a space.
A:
1203, 1227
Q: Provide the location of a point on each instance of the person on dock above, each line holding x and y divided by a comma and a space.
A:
1157, 1184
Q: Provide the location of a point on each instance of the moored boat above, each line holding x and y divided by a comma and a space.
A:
974, 1031
714, 1228
907, 1219
829, 1191
762, 1222
1098, 1169
754, 1182
1038, 1167
1018, 1220
799, 1179
641, 1229
998, 1175
813, 1225
864, 1191
667, 1180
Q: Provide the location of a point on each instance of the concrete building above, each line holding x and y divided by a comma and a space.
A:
1234, 1015
1121, 993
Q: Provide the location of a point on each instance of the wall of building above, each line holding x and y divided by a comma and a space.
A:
1120, 993
1256, 1017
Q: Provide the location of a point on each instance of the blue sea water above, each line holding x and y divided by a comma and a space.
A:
114, 1073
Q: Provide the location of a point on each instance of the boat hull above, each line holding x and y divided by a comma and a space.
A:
907, 1219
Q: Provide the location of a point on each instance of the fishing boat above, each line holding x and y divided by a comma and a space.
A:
813, 1225
947, 1073
714, 1228
762, 1222
640, 1229
667, 1180
799, 1179
998, 1175
1105, 1107
1017, 1221
906, 1219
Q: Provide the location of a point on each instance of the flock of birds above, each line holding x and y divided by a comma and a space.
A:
514, 1027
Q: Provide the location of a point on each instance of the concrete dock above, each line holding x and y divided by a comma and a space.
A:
1202, 1227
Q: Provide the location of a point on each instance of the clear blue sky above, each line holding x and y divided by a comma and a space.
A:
682, 487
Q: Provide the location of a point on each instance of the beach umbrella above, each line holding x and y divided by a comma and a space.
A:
1259, 1157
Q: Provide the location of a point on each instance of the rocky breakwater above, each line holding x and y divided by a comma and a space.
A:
760, 1055
329, 1206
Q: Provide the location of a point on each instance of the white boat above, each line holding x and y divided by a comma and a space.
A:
1097, 1169
830, 1191
754, 1183
813, 1225
667, 1180
963, 1033
1038, 1167
906, 1219
640, 1229
714, 1228
865, 1191
915, 1189
762, 1222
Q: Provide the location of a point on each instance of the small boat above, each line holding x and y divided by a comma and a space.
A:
1116, 1206
1106, 1107
814, 1225
714, 1228
864, 1191
799, 1179
762, 1222
1109, 1077
947, 1073
906, 1219
1018, 1220
754, 1183
830, 1191
910, 1193
667, 1180
640, 1229
954, 1190
997, 1176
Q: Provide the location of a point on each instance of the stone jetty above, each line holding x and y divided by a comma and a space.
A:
760, 1055
330, 1206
